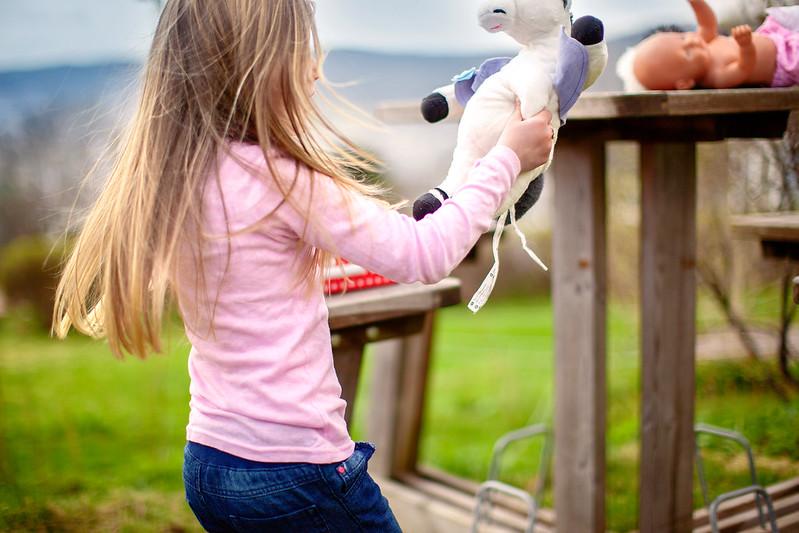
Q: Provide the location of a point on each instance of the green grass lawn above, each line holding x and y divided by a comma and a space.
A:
90, 443
493, 374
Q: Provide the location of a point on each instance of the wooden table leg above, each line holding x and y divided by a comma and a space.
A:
383, 404
579, 291
399, 388
348, 369
668, 332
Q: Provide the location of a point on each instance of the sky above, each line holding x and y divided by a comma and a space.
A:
40, 33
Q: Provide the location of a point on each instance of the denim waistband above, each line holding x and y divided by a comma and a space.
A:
212, 456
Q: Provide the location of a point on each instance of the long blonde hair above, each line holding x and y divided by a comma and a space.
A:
218, 71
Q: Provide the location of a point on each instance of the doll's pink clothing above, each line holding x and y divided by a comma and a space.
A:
263, 387
787, 42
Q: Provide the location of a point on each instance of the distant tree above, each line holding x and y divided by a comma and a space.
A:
42, 165
771, 186
784, 155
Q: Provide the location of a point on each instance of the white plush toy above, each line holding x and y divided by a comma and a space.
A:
550, 72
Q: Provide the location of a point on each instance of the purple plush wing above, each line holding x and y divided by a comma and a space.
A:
467, 83
571, 73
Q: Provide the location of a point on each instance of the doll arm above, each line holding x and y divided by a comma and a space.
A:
706, 20
737, 72
748, 58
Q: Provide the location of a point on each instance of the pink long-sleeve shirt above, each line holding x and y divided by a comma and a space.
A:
263, 386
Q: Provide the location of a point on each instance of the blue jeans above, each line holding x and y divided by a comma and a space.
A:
228, 493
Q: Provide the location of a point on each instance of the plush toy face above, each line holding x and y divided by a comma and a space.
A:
525, 19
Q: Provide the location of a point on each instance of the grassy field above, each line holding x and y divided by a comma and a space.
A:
89, 443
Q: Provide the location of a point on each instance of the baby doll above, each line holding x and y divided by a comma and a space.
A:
768, 56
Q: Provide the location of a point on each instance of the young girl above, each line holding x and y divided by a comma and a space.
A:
231, 192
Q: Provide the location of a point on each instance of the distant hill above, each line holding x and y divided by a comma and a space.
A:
372, 77
378, 77
391, 77
59, 90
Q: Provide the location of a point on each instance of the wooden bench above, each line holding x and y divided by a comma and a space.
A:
740, 515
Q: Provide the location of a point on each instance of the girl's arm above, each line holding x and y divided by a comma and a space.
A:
706, 19
389, 243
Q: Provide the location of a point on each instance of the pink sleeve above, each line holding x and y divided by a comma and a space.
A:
392, 244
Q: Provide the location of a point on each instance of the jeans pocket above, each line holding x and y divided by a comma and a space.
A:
370, 509
198, 506
352, 469
305, 520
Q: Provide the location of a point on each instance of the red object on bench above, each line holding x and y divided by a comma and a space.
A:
346, 277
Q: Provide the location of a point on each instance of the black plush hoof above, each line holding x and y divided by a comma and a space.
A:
529, 198
435, 108
588, 30
425, 205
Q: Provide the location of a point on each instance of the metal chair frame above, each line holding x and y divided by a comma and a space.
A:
493, 484
761, 496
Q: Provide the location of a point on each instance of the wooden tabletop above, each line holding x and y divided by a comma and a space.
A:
767, 227
658, 116
365, 307
610, 105
683, 103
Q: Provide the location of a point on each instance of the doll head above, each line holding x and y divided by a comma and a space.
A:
671, 60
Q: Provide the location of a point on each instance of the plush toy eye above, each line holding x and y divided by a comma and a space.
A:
503, 12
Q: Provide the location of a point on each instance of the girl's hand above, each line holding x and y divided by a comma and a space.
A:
531, 139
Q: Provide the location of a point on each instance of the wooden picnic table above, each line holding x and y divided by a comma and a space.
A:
667, 125
778, 234
394, 312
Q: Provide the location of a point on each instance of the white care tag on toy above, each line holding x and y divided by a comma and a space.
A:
484, 292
